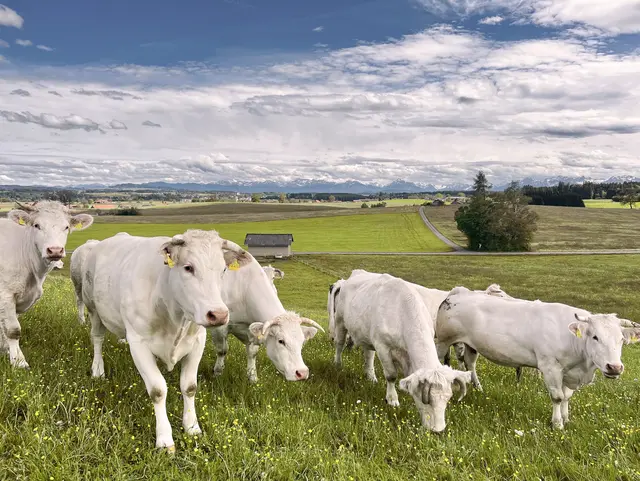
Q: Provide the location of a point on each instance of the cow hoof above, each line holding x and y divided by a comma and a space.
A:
394, 403
253, 379
373, 378
21, 364
558, 426
194, 430
217, 371
170, 450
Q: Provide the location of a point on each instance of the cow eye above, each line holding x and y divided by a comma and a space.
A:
66, 228
188, 268
37, 226
595, 338
281, 341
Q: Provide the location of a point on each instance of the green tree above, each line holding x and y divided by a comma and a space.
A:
256, 197
630, 198
282, 198
332, 198
481, 185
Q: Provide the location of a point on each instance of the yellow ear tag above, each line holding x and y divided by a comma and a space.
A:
234, 266
169, 261
578, 333
21, 221
633, 338
78, 225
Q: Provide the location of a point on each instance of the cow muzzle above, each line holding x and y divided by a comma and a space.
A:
613, 371
217, 317
54, 253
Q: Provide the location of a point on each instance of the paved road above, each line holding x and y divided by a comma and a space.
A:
439, 234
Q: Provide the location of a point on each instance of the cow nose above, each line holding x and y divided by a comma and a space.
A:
218, 318
302, 374
614, 368
55, 252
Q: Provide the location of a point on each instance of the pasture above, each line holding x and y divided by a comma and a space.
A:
563, 228
400, 232
603, 204
56, 423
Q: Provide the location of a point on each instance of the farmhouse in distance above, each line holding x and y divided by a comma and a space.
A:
269, 245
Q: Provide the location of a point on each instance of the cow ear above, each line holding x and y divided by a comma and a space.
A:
631, 335
308, 332
255, 333
410, 384
235, 260
81, 221
19, 217
578, 328
278, 273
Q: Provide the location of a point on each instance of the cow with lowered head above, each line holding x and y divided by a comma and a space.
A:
32, 240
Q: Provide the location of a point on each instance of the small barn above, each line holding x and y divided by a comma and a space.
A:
269, 245
437, 203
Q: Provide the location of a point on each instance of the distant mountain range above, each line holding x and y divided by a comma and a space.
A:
316, 186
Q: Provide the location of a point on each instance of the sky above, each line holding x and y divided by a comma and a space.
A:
428, 91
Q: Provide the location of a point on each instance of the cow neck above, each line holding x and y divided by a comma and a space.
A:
32, 258
165, 309
421, 348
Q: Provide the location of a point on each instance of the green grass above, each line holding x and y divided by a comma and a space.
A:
603, 204
401, 232
56, 422
564, 228
390, 203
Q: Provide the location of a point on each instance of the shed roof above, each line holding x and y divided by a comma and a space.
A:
268, 240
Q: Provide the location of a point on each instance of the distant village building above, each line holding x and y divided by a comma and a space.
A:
269, 245
437, 203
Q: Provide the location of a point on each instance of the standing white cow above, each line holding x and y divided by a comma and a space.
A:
565, 343
32, 240
257, 317
387, 315
160, 293
273, 273
77, 260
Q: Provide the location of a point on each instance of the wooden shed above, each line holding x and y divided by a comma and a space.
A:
269, 245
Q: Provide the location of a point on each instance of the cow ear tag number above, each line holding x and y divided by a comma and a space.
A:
234, 266
168, 260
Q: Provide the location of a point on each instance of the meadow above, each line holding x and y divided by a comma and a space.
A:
563, 228
57, 423
401, 231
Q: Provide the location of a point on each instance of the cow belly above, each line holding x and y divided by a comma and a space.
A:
503, 350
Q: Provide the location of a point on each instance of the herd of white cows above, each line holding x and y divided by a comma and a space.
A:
160, 295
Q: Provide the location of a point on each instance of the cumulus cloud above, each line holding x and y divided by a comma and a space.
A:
319, 28
21, 93
50, 121
44, 47
24, 43
495, 20
10, 18
111, 94
433, 107
53, 92
117, 125
4, 44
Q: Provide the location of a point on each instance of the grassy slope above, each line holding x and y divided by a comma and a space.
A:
402, 232
603, 204
565, 228
57, 423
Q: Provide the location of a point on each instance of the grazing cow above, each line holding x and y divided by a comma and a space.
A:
32, 240
77, 259
565, 343
387, 315
273, 273
161, 306
257, 317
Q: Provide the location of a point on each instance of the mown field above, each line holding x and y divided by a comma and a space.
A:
563, 228
56, 423
396, 232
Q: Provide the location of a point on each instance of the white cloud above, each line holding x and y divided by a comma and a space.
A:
431, 107
5, 178
614, 16
117, 125
24, 43
495, 20
45, 48
318, 29
9, 18
4, 44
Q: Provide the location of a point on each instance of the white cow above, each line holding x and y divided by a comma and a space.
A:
77, 260
273, 273
32, 240
257, 317
565, 343
432, 299
160, 293
387, 315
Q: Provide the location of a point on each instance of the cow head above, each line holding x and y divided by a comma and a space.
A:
272, 274
197, 259
431, 390
283, 338
49, 224
603, 336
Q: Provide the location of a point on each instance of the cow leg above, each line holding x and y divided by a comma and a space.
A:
443, 349
189, 385
11, 334
553, 380
156, 386
97, 338
564, 407
219, 337
341, 336
390, 374
459, 348
369, 369
252, 353
470, 358
447, 358
79, 304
